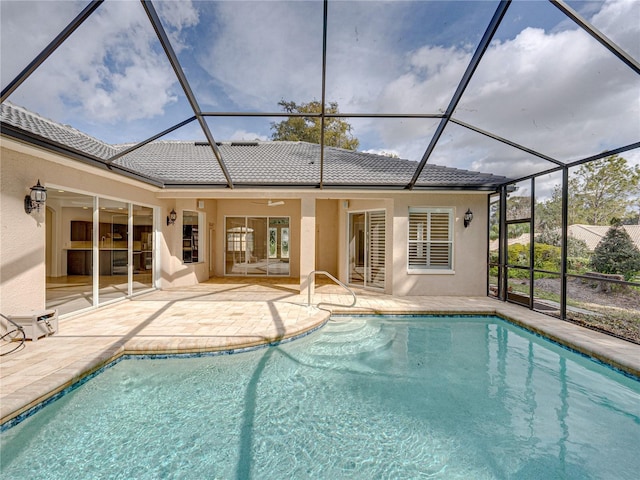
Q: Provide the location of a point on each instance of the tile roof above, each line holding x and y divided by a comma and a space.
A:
63, 135
250, 163
592, 234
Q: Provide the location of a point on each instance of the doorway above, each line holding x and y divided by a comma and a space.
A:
367, 248
257, 246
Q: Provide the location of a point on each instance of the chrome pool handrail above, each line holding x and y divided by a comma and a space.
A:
327, 274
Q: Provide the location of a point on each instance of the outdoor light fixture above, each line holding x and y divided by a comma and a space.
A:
171, 219
468, 216
36, 199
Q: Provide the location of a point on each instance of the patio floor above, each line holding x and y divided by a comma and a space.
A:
229, 314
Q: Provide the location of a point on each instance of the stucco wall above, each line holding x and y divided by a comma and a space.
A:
470, 244
23, 241
470, 247
173, 272
327, 236
22, 236
257, 208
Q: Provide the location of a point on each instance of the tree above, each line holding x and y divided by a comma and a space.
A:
598, 191
616, 253
602, 190
337, 132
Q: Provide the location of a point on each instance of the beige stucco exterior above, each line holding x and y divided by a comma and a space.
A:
318, 228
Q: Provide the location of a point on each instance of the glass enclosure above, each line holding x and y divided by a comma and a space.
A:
572, 240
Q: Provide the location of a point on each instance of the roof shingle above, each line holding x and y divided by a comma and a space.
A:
250, 163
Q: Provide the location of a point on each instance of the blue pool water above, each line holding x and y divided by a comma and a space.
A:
364, 397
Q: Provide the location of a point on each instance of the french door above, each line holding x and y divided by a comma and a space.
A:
257, 246
367, 252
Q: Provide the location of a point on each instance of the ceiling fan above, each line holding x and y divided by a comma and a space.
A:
271, 203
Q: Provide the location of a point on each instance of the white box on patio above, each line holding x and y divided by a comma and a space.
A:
37, 323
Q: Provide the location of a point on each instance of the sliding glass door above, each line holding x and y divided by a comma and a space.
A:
113, 250
98, 250
257, 246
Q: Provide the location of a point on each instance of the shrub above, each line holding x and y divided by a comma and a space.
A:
616, 253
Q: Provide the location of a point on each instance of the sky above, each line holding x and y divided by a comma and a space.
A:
543, 83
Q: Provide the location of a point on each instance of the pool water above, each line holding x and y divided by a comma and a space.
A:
364, 397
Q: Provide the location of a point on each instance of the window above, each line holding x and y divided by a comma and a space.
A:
190, 237
430, 239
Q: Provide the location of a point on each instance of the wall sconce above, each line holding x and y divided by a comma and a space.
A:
468, 216
35, 199
171, 219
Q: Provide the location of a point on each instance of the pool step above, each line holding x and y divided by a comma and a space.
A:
339, 326
345, 334
367, 339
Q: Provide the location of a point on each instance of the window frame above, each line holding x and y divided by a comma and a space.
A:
429, 268
195, 240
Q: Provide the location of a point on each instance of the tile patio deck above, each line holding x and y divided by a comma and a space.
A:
234, 314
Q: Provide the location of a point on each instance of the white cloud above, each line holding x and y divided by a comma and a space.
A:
619, 20
26, 32
243, 135
556, 91
176, 17
386, 153
107, 72
560, 93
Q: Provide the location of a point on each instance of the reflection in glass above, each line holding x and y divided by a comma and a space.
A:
257, 246
494, 244
69, 251
256, 255
357, 244
142, 248
190, 237
113, 249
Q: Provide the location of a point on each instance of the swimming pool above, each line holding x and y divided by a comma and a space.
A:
364, 397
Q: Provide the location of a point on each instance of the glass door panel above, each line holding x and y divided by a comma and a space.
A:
367, 253
142, 248
278, 246
256, 246
113, 250
356, 248
236, 245
69, 225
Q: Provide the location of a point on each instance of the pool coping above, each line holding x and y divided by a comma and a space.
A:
616, 353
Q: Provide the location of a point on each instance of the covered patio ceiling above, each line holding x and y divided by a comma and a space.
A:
510, 88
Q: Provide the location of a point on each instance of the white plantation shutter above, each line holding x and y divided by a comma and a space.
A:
430, 239
376, 232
